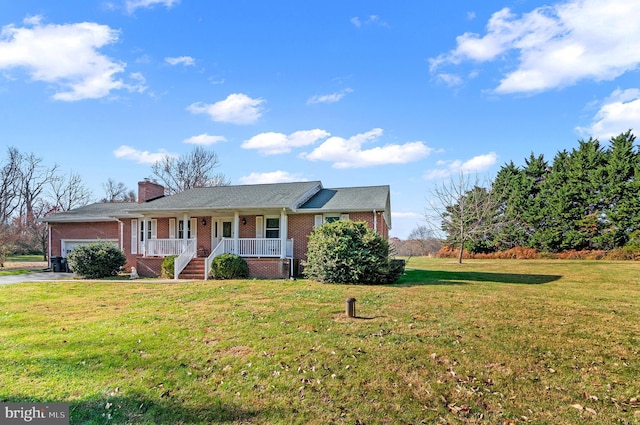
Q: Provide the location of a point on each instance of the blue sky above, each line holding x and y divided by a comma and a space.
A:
352, 93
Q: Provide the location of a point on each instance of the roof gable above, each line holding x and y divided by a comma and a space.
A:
346, 199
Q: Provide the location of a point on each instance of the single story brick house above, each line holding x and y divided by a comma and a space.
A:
267, 224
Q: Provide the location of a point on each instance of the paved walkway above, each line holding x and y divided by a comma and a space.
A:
35, 277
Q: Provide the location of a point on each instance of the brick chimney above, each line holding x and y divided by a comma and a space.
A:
149, 190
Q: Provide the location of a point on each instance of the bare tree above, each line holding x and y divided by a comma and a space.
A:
68, 192
34, 178
463, 209
189, 171
117, 192
422, 241
10, 189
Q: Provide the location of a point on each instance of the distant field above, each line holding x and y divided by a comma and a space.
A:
20, 264
25, 258
487, 342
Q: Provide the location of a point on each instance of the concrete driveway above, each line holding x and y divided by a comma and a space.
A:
35, 277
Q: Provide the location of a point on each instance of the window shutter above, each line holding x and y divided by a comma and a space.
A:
318, 220
344, 217
259, 226
172, 228
154, 229
134, 236
194, 229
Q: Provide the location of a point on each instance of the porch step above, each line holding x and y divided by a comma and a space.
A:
194, 270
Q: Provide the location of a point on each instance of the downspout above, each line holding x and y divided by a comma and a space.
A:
49, 243
375, 221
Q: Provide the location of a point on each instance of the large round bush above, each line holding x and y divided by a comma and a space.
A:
229, 266
348, 252
96, 260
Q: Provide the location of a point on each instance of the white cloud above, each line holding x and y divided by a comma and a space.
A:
66, 56
277, 143
451, 80
272, 177
237, 108
556, 46
618, 113
368, 20
329, 98
132, 5
141, 157
204, 139
476, 164
180, 60
349, 153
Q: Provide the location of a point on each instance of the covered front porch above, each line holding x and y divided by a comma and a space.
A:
205, 237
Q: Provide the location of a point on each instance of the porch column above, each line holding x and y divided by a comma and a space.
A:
142, 234
284, 230
185, 230
236, 232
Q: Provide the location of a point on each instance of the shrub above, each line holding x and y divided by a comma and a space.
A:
396, 269
348, 252
96, 260
168, 266
229, 266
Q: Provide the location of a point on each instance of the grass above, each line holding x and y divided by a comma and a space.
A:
488, 341
25, 258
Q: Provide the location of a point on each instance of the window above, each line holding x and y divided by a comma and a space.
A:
191, 225
320, 219
145, 230
272, 228
226, 229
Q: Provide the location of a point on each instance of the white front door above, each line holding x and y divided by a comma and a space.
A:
221, 228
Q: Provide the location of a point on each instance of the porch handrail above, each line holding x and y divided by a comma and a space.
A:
219, 249
183, 259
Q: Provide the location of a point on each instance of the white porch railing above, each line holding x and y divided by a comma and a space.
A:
165, 247
250, 247
183, 259
256, 247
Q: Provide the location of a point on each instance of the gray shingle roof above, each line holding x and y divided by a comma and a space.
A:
307, 197
276, 195
93, 212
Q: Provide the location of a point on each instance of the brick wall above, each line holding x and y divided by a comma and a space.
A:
149, 266
268, 268
81, 231
300, 226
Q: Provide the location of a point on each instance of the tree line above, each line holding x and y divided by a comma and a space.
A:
587, 198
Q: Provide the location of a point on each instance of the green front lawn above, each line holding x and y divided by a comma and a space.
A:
488, 341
